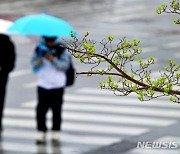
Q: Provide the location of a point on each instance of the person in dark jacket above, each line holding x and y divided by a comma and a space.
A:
7, 60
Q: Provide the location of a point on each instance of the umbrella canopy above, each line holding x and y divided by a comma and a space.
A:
4, 25
41, 24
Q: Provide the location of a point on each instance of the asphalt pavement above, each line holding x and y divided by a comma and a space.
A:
95, 121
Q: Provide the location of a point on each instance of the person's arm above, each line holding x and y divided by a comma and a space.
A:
62, 62
11, 57
36, 61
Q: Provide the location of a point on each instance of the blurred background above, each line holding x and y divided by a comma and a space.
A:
95, 121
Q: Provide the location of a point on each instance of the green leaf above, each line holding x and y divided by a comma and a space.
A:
136, 42
86, 45
99, 59
82, 59
102, 71
177, 75
111, 84
127, 55
140, 98
87, 33
132, 75
175, 4
173, 99
166, 68
166, 90
110, 67
101, 85
109, 77
110, 38
158, 10
140, 62
176, 21
117, 62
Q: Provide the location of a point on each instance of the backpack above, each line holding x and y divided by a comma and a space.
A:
70, 74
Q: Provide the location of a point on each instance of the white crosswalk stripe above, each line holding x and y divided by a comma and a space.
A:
119, 130
96, 117
71, 138
30, 85
20, 73
110, 100
132, 97
130, 110
24, 148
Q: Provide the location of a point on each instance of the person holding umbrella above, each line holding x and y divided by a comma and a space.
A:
50, 62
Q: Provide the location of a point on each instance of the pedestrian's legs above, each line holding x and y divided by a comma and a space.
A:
42, 108
3, 82
56, 105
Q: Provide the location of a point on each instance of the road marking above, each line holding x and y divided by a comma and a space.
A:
108, 108
101, 129
111, 119
93, 104
16, 147
30, 85
95, 117
115, 100
20, 73
123, 110
67, 138
93, 128
29, 104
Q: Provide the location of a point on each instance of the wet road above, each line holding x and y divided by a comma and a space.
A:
86, 124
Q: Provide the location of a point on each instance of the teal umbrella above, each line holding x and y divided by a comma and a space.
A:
42, 25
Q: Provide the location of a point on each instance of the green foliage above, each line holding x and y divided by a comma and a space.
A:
117, 57
110, 38
161, 8
174, 7
175, 4
177, 21
90, 48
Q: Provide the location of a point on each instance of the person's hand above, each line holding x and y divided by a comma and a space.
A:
49, 57
39, 61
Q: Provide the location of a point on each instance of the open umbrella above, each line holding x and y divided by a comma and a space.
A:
4, 25
41, 24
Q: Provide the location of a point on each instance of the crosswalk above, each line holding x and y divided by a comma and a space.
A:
91, 118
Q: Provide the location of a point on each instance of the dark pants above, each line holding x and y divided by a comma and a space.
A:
3, 82
49, 99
